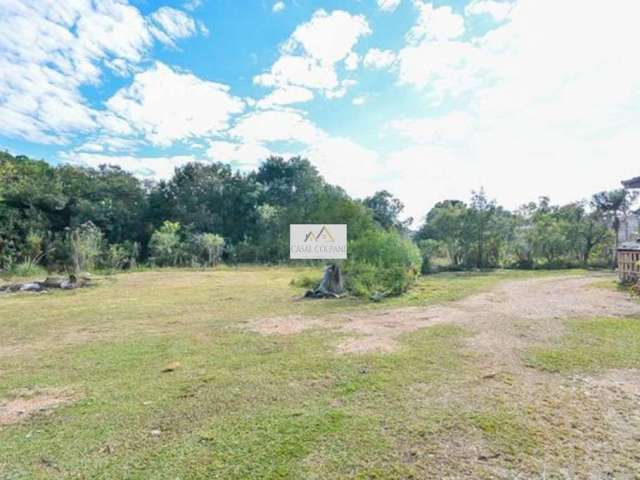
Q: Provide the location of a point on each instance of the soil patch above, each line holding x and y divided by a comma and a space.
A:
29, 403
501, 318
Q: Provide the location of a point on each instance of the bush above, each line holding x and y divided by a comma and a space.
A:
120, 256
429, 249
165, 245
381, 263
306, 281
27, 269
85, 245
206, 249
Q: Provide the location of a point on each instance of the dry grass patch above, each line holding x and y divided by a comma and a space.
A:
27, 403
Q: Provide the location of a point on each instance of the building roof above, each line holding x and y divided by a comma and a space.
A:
631, 183
633, 246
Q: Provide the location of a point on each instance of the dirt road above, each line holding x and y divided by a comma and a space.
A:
589, 425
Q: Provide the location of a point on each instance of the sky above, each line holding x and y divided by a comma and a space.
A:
429, 100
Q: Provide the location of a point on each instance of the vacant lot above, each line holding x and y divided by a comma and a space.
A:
228, 374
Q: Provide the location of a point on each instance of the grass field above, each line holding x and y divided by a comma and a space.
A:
162, 379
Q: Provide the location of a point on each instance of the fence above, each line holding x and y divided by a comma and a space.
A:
628, 265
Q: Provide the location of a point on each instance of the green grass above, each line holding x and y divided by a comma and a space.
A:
592, 345
241, 405
446, 287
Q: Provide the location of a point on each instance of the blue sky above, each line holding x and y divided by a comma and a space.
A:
426, 99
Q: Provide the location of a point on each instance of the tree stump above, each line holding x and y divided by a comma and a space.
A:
331, 286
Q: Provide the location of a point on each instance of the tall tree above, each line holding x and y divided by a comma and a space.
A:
614, 204
386, 210
445, 223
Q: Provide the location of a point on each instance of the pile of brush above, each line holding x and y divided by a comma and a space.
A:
65, 283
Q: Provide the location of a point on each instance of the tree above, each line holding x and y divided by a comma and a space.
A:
208, 198
614, 205
386, 210
445, 222
289, 182
488, 228
584, 229
549, 239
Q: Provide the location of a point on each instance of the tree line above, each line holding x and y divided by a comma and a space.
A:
67, 216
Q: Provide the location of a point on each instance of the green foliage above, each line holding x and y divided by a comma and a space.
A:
229, 216
429, 249
119, 256
386, 210
165, 245
27, 268
85, 246
306, 280
207, 248
538, 235
614, 205
381, 263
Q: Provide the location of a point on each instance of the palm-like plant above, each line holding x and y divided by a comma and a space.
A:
614, 204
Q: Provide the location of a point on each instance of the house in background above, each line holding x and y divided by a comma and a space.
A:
629, 228
630, 224
632, 184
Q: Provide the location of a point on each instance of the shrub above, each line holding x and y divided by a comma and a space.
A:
119, 256
306, 281
85, 244
206, 249
27, 268
381, 263
165, 246
429, 249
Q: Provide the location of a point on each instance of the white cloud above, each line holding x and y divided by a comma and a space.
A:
49, 50
388, 5
278, 7
202, 28
192, 4
343, 162
357, 101
161, 167
166, 106
379, 59
169, 24
352, 61
286, 95
301, 71
340, 160
453, 68
246, 155
91, 147
343, 29
422, 175
309, 60
499, 11
343, 88
540, 104
275, 126
435, 23
451, 129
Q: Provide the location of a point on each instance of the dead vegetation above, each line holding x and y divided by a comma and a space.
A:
69, 283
